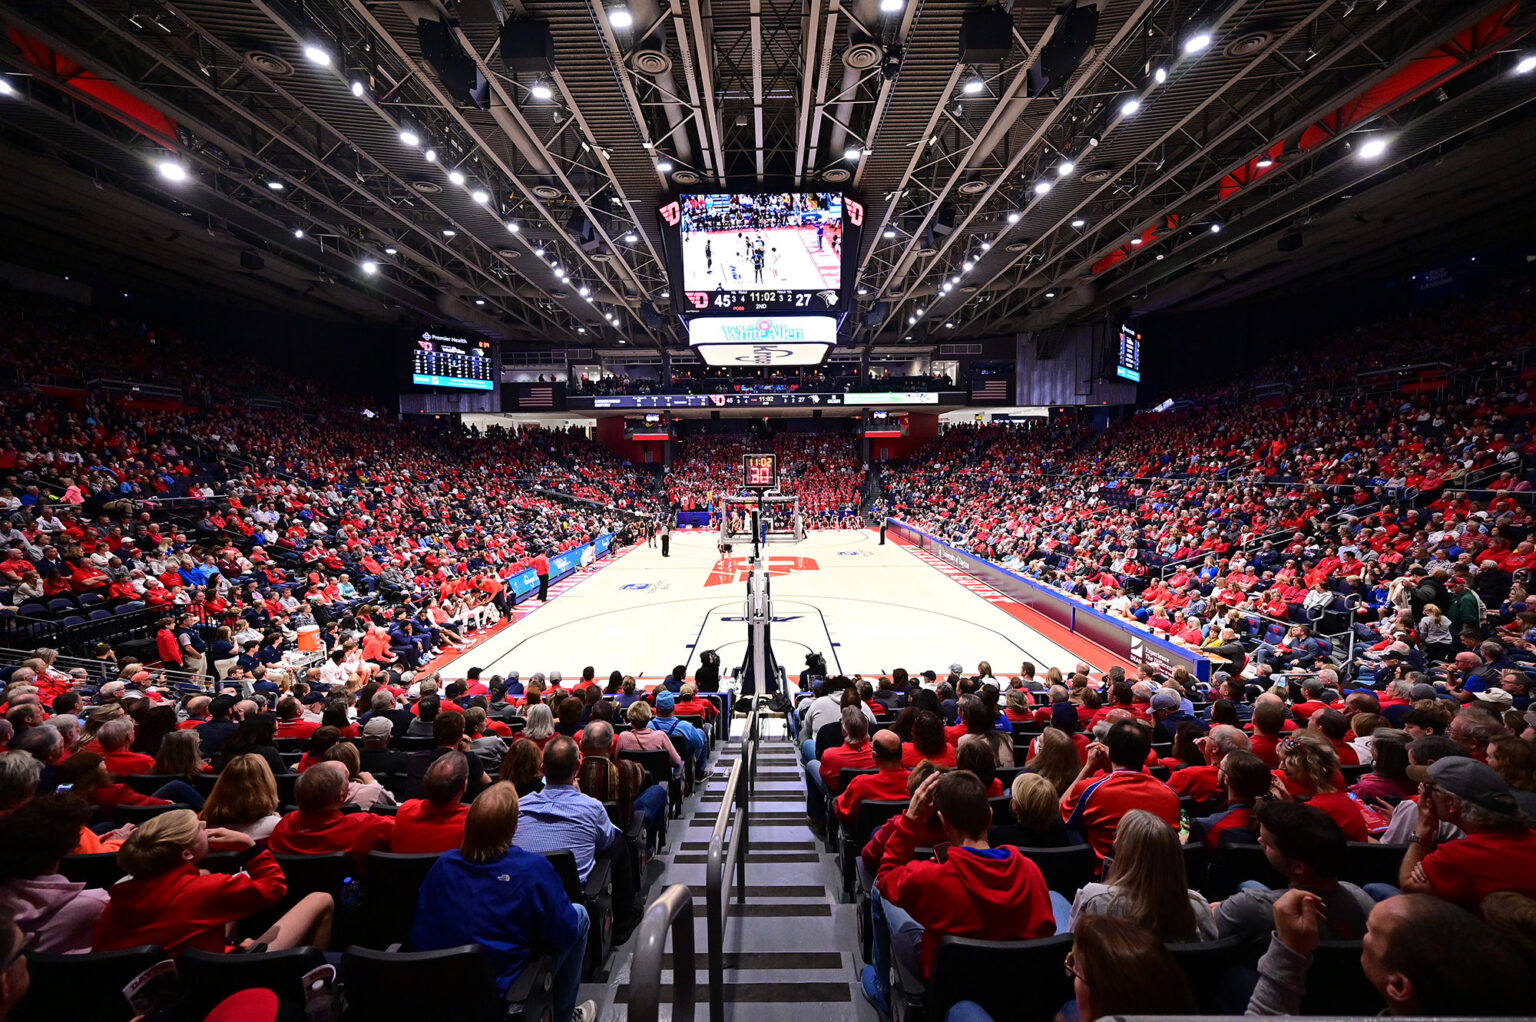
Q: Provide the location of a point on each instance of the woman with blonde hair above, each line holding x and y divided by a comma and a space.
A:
181, 755
1055, 759
540, 727
641, 737
244, 798
1311, 767
168, 901
362, 790
1037, 816
1147, 884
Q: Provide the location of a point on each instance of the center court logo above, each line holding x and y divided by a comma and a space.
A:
739, 569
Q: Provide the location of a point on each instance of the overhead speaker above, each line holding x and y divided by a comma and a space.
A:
250, 260
455, 69
1060, 57
986, 35
528, 45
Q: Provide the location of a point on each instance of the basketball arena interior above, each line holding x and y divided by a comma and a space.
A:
767, 510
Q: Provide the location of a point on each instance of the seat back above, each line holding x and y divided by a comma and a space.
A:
1065, 869
208, 977
410, 984
990, 972
139, 814
1336, 983
1366, 863
657, 764
327, 873
96, 870
1233, 863
828, 736
564, 862
845, 777
1214, 968
1002, 809
389, 906
870, 816
99, 998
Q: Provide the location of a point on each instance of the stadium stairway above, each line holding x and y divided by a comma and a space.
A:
792, 949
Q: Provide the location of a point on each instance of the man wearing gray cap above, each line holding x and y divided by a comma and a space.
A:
1498, 852
1167, 714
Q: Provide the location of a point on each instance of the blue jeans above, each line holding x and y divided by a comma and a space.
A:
180, 791
652, 804
808, 750
894, 935
815, 792
567, 977
1061, 908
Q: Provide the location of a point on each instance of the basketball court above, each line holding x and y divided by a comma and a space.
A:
869, 609
791, 260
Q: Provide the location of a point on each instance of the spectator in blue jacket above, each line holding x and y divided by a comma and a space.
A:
508, 901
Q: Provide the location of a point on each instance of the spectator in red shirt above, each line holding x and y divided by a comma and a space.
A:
1308, 762
166, 644
689, 704
821, 776
887, 784
168, 901
319, 826
114, 737
1498, 852
435, 822
927, 742
1094, 806
290, 719
977, 891
1334, 726
1204, 782
1268, 724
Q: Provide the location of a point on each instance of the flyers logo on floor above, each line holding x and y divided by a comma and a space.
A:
739, 569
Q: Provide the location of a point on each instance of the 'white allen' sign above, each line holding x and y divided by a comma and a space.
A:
762, 340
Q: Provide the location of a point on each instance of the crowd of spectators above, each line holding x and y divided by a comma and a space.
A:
823, 470
778, 381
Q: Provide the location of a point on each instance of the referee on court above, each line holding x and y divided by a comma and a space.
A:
666, 539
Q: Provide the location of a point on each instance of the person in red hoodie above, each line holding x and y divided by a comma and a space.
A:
168, 901
973, 891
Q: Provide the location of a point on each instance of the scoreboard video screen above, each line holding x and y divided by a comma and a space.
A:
759, 471
761, 252
1128, 358
441, 361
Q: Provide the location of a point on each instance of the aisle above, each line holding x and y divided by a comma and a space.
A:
792, 948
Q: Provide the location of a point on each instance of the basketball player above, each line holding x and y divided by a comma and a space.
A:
709, 258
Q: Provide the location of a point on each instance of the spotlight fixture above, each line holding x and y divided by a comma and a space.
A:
1525, 67
298, 232
1135, 241
665, 166
275, 185
1197, 43
986, 246
852, 153
539, 252
949, 326
317, 55
370, 267
619, 17
1042, 187
391, 250
449, 232
631, 238
479, 301
1050, 294
456, 176
1215, 228
173, 171
358, 88
540, 90
408, 134
1079, 223
863, 291
512, 227
968, 266
911, 320
1013, 216
480, 195
973, 85
6, 88
891, 6
889, 233
1372, 148
1065, 167
1160, 75
1130, 106
430, 156
1264, 163
584, 291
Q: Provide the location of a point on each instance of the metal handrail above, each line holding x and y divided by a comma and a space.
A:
728, 858
671, 912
